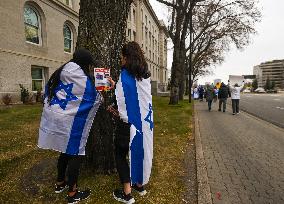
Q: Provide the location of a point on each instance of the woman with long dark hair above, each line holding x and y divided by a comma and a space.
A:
70, 105
134, 132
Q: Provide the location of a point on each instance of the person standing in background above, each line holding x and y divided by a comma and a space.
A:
236, 95
201, 92
195, 93
209, 95
223, 94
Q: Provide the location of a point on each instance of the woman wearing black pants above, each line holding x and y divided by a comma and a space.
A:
70, 105
134, 73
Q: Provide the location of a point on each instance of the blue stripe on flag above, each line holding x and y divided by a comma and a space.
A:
80, 118
134, 117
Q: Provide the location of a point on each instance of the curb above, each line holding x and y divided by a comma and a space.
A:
203, 188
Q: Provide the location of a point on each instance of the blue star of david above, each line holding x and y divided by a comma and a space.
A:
149, 117
69, 95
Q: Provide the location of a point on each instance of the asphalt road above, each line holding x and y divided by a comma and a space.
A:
269, 107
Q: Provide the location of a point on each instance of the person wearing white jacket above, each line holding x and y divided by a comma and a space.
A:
236, 95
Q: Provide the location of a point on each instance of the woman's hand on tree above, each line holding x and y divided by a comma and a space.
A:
113, 111
112, 83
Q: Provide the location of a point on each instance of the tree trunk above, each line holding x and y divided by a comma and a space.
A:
187, 92
177, 73
102, 25
181, 89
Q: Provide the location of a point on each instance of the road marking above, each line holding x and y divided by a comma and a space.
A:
276, 99
281, 108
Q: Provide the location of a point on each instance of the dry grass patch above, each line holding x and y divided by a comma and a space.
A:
27, 173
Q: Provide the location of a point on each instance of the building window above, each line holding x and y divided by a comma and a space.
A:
134, 35
146, 19
134, 16
37, 78
146, 36
142, 32
68, 3
68, 38
32, 25
129, 15
129, 34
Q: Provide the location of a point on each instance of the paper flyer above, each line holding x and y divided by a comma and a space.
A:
101, 78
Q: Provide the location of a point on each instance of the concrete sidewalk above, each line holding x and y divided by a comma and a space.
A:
244, 157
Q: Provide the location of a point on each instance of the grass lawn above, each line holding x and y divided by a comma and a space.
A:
27, 173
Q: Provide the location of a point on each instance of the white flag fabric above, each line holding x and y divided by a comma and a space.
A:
134, 102
67, 120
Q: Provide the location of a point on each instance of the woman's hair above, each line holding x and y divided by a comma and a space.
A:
83, 58
136, 64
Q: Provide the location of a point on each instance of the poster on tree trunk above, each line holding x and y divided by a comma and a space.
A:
101, 78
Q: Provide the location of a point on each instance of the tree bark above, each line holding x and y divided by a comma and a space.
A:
102, 30
177, 73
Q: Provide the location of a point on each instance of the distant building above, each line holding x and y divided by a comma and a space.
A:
38, 36
144, 27
272, 70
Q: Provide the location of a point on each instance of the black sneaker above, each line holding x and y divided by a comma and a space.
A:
120, 196
60, 188
140, 190
79, 195
219, 109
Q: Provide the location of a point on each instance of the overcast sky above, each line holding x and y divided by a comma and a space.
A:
267, 45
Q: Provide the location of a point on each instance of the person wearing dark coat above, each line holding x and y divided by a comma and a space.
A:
209, 95
201, 93
223, 94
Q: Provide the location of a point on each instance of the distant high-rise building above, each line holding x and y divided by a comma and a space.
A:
272, 70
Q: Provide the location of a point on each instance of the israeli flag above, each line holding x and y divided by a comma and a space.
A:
67, 120
134, 102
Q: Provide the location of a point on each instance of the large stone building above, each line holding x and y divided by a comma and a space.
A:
272, 70
37, 36
144, 27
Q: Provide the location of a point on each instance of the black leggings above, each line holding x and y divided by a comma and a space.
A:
121, 142
73, 162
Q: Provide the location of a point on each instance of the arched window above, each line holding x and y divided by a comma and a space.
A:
68, 3
32, 25
68, 38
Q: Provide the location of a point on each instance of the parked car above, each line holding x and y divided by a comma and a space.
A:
271, 91
259, 90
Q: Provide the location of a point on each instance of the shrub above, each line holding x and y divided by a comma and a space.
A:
24, 94
39, 96
7, 99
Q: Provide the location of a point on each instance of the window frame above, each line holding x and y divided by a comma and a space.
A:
72, 38
42, 75
39, 31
